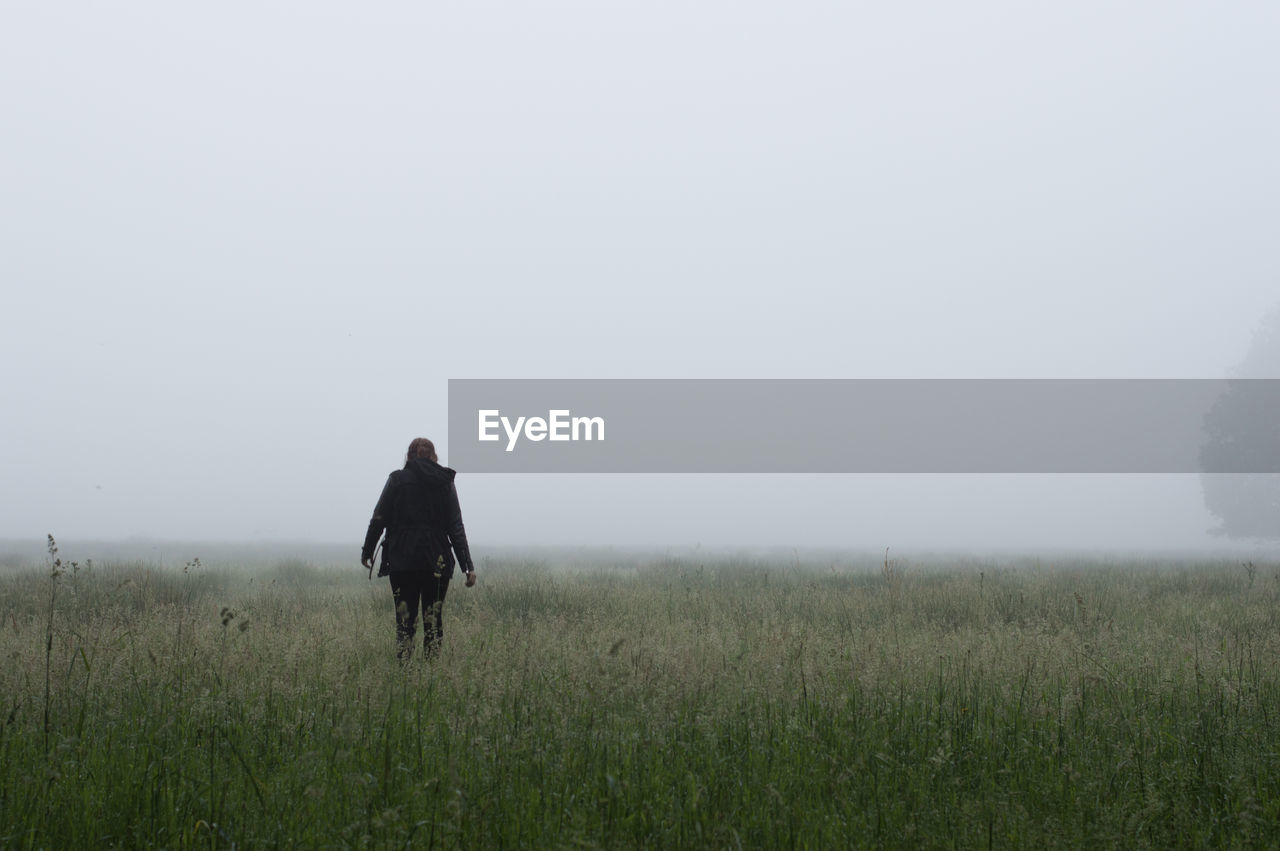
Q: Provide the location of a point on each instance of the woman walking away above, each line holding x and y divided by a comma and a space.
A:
420, 513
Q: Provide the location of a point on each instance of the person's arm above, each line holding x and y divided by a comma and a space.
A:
458, 535
377, 522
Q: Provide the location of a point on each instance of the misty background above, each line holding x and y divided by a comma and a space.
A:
243, 247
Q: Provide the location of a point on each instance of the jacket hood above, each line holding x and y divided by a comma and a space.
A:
429, 472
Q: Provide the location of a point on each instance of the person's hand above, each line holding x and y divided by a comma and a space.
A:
368, 563
471, 578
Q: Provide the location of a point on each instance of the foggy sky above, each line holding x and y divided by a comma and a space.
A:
243, 247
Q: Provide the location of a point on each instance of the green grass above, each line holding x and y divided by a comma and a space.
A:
670, 705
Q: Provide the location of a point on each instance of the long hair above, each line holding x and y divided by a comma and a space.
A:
420, 447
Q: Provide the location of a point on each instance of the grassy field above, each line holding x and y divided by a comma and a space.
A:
673, 704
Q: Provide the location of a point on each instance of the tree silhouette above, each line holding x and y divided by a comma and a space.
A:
1239, 435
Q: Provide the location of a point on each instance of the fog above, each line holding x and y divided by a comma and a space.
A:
244, 247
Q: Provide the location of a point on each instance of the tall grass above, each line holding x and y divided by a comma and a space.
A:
673, 705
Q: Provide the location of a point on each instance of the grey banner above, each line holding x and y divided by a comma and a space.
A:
864, 425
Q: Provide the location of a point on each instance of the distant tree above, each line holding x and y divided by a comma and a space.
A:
1246, 503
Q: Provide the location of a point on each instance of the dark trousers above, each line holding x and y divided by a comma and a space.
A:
413, 592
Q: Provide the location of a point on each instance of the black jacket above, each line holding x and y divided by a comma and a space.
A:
420, 512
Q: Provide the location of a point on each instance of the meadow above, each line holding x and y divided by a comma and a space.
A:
734, 703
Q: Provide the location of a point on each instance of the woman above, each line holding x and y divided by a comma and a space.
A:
420, 513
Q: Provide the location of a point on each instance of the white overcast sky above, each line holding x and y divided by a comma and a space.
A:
243, 246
